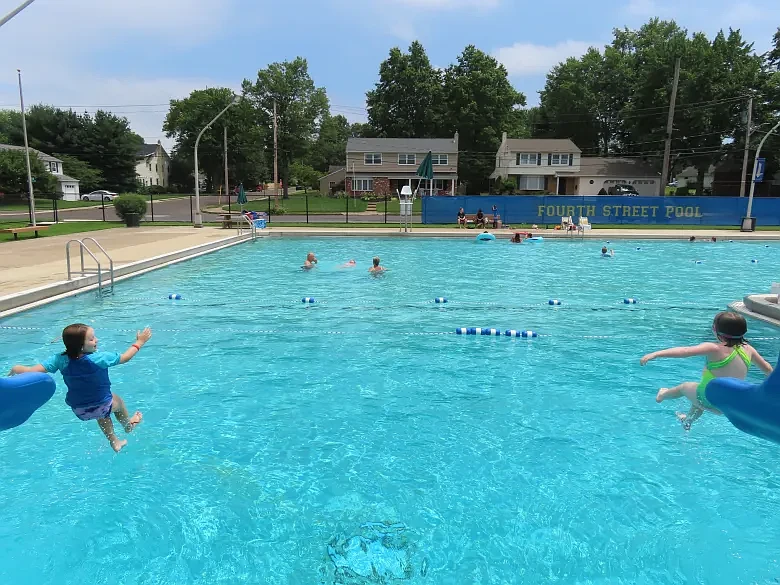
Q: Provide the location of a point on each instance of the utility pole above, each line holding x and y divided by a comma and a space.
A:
669, 128
276, 161
747, 149
227, 191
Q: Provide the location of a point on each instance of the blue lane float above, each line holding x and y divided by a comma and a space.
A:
698, 262
21, 396
630, 301
485, 237
491, 332
516, 333
554, 302
440, 300
754, 261
308, 300
752, 408
175, 297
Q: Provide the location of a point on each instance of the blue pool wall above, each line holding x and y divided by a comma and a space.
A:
604, 209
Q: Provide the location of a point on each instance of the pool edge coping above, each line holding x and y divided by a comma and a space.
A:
36, 297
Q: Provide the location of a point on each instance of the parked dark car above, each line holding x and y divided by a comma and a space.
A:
621, 189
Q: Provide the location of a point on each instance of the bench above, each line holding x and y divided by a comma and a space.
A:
232, 220
471, 220
21, 230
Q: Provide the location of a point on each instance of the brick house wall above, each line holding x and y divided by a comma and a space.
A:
381, 186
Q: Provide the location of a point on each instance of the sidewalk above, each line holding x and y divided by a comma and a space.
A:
36, 262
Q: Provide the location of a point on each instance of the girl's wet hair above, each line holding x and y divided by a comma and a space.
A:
74, 336
730, 328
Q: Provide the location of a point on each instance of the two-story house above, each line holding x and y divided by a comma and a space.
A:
153, 166
67, 187
383, 165
538, 164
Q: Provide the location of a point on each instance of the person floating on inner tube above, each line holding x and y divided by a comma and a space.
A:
730, 357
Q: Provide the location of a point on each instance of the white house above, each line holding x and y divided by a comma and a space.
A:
597, 174
153, 166
67, 186
538, 164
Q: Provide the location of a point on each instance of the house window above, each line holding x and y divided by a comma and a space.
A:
560, 159
440, 159
530, 183
372, 158
155, 168
158, 181
53, 167
407, 159
527, 158
362, 184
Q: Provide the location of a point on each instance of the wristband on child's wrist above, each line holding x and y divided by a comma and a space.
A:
136, 346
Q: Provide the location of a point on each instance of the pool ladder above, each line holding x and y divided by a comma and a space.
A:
82, 244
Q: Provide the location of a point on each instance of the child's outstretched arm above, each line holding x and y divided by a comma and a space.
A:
140, 339
680, 352
26, 369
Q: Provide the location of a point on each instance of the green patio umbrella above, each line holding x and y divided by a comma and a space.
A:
241, 199
425, 171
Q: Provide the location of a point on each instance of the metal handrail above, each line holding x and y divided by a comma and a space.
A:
84, 270
102, 249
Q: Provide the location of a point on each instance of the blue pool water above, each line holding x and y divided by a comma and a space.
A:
292, 444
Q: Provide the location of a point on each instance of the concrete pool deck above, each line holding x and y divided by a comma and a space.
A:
33, 270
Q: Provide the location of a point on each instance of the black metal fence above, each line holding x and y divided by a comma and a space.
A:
296, 208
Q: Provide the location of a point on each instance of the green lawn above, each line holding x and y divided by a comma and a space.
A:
58, 229
296, 205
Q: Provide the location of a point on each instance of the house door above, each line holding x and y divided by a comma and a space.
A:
561, 186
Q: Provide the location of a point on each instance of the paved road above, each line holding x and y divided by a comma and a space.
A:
179, 210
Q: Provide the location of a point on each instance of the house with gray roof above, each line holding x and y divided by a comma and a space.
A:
153, 165
538, 165
67, 187
383, 165
598, 174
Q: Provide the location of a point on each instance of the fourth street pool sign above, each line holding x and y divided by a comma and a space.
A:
760, 166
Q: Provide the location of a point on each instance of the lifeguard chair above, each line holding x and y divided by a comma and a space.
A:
405, 200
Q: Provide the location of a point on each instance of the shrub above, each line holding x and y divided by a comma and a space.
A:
156, 189
130, 203
683, 191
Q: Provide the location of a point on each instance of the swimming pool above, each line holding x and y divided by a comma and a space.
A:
274, 430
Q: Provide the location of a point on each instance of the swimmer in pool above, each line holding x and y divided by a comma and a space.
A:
350, 264
517, 238
376, 268
607, 253
311, 261
730, 357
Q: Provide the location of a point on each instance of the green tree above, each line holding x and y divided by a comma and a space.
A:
90, 178
10, 121
13, 173
104, 141
330, 147
304, 175
300, 107
246, 157
182, 172
407, 100
480, 105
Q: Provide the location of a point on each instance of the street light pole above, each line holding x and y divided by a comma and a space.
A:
16, 11
755, 168
198, 222
27, 153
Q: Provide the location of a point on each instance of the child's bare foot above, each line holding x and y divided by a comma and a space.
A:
133, 421
683, 418
117, 445
663, 394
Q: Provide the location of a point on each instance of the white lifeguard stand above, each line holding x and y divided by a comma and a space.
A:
406, 199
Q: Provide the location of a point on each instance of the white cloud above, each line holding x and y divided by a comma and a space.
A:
53, 43
530, 59
743, 12
643, 8
448, 4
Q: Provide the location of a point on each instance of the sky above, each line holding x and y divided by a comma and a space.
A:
133, 56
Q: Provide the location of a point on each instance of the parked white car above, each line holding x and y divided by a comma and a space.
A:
99, 196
